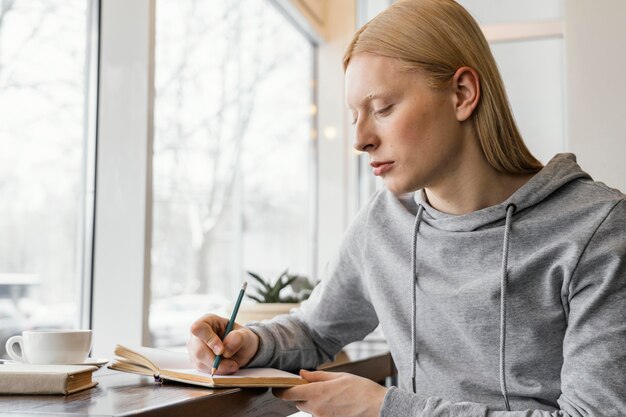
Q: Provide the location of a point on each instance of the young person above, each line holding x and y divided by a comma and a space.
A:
500, 284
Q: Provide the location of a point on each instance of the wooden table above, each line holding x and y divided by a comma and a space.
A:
121, 394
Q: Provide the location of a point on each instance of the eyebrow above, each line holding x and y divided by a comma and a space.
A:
371, 97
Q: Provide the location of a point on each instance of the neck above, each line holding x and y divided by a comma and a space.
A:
472, 185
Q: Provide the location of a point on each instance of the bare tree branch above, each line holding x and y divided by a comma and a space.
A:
36, 28
5, 7
240, 65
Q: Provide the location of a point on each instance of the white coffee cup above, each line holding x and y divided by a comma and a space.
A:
44, 347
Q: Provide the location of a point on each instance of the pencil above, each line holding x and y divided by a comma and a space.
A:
229, 326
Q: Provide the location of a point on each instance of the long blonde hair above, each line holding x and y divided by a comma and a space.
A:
438, 37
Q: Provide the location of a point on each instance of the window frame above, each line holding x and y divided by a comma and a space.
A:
89, 165
121, 263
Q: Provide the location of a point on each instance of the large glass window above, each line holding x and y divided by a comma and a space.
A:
232, 168
44, 141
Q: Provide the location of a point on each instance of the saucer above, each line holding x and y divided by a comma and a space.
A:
93, 361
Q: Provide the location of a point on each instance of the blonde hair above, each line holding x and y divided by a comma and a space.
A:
437, 37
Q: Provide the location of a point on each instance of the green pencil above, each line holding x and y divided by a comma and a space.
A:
230, 325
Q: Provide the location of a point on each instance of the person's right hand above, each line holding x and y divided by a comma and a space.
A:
237, 349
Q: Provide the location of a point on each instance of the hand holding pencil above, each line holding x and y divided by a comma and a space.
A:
210, 338
229, 326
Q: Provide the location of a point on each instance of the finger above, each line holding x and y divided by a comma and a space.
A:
233, 343
302, 406
204, 330
204, 368
298, 393
227, 367
199, 352
317, 376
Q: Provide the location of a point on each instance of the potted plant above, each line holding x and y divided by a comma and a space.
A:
275, 296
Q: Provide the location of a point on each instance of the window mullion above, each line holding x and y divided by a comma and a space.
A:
123, 193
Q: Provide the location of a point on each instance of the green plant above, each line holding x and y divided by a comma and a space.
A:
269, 291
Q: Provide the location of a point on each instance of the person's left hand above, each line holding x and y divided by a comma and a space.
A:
335, 394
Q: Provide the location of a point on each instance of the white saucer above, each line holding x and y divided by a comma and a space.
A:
93, 361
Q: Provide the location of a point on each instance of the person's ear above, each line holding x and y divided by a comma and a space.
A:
466, 84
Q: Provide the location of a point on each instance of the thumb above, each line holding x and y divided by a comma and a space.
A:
233, 342
318, 376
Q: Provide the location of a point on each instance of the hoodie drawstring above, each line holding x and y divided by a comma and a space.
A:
510, 210
416, 227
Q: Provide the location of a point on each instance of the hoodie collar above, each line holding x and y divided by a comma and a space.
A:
561, 170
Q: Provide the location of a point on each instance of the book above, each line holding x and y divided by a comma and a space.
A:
176, 366
45, 379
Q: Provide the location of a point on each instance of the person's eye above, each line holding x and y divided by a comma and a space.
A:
384, 111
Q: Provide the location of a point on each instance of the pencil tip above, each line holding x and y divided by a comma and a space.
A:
245, 285
213, 371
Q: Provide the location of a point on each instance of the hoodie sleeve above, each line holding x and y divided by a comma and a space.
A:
593, 375
338, 312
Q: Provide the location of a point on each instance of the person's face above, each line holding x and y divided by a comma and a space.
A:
409, 129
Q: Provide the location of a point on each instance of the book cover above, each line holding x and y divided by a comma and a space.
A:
176, 366
45, 379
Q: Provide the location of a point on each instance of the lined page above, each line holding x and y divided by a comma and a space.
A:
244, 373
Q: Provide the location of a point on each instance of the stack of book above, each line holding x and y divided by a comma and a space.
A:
22, 378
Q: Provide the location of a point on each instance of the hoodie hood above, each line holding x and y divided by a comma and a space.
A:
561, 170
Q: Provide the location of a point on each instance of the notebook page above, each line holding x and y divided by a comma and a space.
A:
243, 373
164, 359
179, 361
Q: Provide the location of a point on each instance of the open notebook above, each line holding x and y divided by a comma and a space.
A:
176, 366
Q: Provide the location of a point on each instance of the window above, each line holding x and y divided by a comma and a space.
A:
233, 185
45, 84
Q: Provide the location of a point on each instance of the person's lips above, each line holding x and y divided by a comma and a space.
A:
380, 167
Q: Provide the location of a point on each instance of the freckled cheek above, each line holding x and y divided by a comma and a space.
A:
412, 139
411, 131
406, 136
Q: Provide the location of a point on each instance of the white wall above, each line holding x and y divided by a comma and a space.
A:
595, 59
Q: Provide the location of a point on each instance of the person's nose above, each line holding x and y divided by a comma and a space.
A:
365, 139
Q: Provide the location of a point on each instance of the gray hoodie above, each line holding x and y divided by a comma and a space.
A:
521, 305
